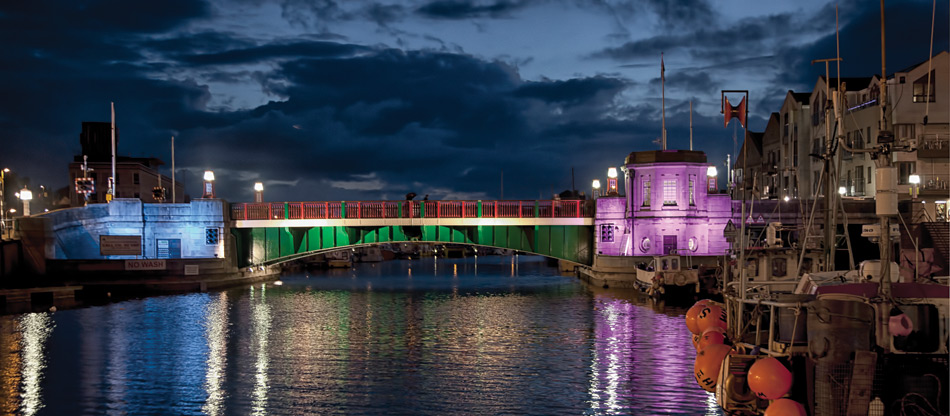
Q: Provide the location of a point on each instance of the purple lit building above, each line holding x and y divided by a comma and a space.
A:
672, 205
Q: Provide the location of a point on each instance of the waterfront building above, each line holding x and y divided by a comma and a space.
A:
793, 153
135, 176
672, 205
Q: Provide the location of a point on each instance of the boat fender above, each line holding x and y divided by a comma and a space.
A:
680, 279
737, 388
900, 325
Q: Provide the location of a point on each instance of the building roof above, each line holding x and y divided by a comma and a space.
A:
802, 97
850, 83
754, 152
662, 156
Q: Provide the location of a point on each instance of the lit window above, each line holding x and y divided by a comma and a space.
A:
692, 199
924, 88
669, 192
646, 192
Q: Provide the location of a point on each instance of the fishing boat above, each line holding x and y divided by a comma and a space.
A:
666, 274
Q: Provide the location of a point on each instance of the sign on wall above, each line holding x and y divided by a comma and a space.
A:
168, 248
120, 245
147, 264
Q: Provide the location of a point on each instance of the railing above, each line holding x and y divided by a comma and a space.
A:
411, 209
934, 183
933, 146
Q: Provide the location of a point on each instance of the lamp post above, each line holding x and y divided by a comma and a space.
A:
208, 185
258, 192
711, 181
596, 187
914, 185
26, 196
612, 182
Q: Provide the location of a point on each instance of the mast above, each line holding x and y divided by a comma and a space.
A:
663, 97
173, 170
114, 181
690, 124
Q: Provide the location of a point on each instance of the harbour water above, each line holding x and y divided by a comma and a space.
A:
496, 335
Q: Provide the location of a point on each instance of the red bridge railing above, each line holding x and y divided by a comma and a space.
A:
411, 209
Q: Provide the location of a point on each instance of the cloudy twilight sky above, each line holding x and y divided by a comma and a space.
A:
366, 100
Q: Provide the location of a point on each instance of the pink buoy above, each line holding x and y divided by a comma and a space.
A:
900, 325
769, 378
785, 407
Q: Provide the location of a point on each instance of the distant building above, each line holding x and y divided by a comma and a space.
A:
135, 176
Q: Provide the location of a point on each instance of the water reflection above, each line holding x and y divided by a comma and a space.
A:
372, 340
24, 361
216, 336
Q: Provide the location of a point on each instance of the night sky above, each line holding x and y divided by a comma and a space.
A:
368, 100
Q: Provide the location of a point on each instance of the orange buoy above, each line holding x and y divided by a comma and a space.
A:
707, 365
691, 315
710, 316
769, 378
785, 407
714, 335
696, 342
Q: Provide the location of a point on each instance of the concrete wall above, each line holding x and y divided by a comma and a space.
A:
74, 233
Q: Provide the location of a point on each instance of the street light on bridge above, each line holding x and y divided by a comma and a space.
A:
208, 185
26, 196
596, 188
914, 185
612, 182
711, 181
258, 192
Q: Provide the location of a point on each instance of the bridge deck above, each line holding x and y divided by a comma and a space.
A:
411, 213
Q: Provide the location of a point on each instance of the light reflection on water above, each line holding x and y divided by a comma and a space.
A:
496, 336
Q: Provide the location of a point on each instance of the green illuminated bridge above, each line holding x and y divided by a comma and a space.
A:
276, 232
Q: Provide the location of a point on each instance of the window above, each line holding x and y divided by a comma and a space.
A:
669, 192
607, 233
692, 192
795, 153
924, 88
904, 170
785, 129
646, 192
870, 139
135, 178
211, 236
869, 174
779, 267
859, 180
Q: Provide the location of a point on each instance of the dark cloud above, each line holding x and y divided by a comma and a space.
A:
257, 54
570, 92
460, 9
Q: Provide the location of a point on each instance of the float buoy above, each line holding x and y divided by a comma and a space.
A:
900, 325
696, 338
769, 378
691, 314
785, 407
714, 335
707, 365
710, 316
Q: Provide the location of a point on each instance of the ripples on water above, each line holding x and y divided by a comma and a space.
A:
473, 337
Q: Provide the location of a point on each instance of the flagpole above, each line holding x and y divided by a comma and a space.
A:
114, 181
690, 125
173, 170
663, 97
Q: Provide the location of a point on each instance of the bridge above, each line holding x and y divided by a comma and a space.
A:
276, 232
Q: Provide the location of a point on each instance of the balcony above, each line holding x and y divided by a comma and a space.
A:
933, 185
932, 146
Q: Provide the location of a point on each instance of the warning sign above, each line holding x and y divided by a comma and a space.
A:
145, 265
120, 245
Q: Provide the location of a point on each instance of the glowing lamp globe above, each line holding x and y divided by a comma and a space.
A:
769, 378
707, 365
691, 314
710, 316
612, 173
714, 335
785, 407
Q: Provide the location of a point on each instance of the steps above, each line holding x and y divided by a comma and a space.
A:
939, 233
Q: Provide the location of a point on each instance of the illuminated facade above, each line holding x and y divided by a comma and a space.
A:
672, 205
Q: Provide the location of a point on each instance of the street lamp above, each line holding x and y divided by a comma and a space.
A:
3, 213
915, 185
596, 185
612, 182
208, 185
258, 192
711, 181
26, 196
842, 191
